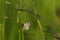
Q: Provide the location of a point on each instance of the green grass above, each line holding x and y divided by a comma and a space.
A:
45, 27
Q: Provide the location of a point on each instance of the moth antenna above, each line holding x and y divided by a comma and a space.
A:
30, 11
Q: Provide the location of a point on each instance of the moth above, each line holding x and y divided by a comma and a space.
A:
26, 26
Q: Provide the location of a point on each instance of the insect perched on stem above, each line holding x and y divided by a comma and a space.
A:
26, 26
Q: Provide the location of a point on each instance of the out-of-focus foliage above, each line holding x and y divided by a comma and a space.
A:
29, 20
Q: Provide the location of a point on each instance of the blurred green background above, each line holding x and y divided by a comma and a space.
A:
12, 19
